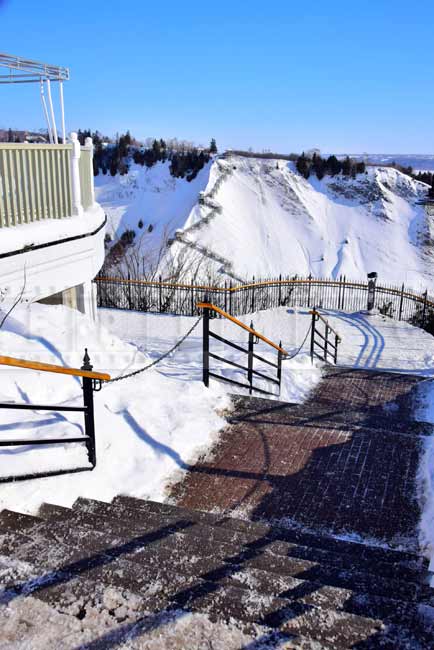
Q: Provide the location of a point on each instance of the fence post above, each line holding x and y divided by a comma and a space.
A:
425, 298
401, 302
159, 295
326, 342
250, 361
130, 301
340, 287
230, 297
343, 293
89, 421
206, 344
192, 301
336, 348
252, 306
312, 336
308, 289
280, 290
226, 296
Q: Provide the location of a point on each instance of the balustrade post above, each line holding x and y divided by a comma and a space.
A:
280, 290
89, 144
77, 208
336, 348
326, 342
425, 298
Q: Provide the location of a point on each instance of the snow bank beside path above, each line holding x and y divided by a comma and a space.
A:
146, 427
426, 475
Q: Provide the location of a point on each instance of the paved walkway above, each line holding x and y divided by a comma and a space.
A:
344, 461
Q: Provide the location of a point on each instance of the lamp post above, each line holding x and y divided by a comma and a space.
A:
372, 280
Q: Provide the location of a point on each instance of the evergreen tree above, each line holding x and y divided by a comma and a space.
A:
213, 146
10, 135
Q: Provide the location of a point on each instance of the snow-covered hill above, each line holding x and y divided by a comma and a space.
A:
260, 217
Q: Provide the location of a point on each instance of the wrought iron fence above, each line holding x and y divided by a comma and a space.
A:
180, 299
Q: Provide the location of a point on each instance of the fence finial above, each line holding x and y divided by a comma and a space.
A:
86, 361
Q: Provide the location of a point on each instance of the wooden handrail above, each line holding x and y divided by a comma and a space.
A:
208, 305
265, 283
48, 367
324, 320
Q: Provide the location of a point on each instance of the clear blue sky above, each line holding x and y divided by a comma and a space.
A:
342, 76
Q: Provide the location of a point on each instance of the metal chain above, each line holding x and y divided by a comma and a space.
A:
166, 354
299, 349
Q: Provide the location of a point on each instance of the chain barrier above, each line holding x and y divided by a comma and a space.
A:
154, 363
292, 356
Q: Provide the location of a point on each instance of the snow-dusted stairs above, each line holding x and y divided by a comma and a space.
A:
126, 563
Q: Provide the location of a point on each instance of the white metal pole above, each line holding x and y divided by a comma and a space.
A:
62, 110
53, 119
47, 119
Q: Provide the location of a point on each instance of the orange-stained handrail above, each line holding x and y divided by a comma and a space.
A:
348, 284
208, 305
49, 367
314, 312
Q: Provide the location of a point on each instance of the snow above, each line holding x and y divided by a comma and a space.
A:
426, 476
51, 230
148, 428
151, 195
269, 220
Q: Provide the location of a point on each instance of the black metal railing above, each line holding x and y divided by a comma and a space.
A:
254, 338
92, 382
159, 296
327, 340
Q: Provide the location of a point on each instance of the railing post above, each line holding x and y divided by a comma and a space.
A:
226, 296
205, 372
279, 365
401, 302
326, 342
343, 293
308, 289
89, 421
312, 336
336, 348
250, 361
89, 144
280, 290
253, 296
192, 300
230, 297
77, 208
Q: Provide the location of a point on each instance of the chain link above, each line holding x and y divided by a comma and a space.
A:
154, 363
292, 356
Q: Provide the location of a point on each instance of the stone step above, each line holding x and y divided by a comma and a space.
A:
66, 587
265, 582
327, 542
163, 546
227, 542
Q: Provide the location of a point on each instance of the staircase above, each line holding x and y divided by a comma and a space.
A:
132, 569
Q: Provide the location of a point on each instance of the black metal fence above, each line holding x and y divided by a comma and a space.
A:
181, 299
251, 373
327, 340
90, 384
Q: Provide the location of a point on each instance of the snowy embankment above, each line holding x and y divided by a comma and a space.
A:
148, 428
265, 219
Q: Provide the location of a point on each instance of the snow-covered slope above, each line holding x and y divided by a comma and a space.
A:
260, 217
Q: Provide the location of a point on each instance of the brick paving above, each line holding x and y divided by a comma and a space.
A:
345, 460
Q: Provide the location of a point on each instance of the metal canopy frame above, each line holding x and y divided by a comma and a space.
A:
28, 71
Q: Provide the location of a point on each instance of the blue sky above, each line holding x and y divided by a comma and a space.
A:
338, 75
